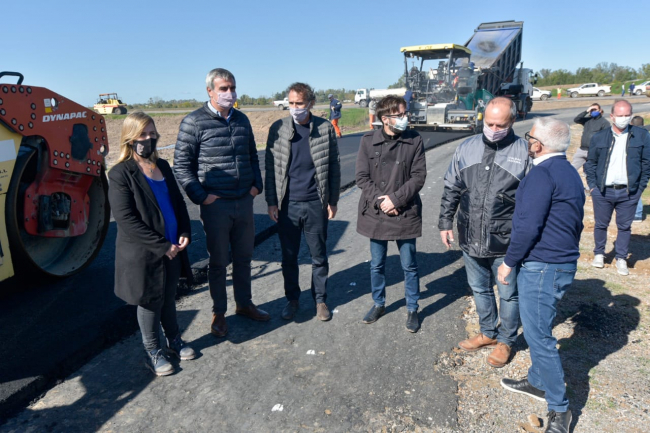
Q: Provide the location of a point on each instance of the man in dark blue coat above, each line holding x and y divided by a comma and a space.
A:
618, 170
335, 113
545, 240
216, 163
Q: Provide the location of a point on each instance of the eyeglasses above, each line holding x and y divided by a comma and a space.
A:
399, 116
529, 137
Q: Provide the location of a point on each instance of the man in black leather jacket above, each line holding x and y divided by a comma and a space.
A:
216, 163
480, 185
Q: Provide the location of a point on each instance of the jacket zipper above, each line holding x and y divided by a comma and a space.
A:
485, 200
232, 144
504, 197
285, 173
627, 172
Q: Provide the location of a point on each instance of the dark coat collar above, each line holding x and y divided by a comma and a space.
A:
507, 141
139, 177
378, 137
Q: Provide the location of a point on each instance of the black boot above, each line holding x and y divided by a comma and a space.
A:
374, 314
412, 321
558, 422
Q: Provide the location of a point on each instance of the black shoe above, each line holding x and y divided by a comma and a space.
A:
412, 321
374, 314
523, 387
290, 310
558, 422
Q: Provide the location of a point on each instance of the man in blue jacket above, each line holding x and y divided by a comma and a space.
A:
216, 162
618, 169
545, 241
335, 113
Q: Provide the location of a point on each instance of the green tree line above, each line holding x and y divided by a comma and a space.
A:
244, 100
604, 73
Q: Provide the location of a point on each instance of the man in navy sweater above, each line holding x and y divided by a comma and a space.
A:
546, 232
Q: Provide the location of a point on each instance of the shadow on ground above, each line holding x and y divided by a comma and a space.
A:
602, 327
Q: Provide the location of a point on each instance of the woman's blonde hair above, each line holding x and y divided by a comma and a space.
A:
132, 128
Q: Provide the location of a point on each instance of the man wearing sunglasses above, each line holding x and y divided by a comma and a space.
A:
545, 241
480, 186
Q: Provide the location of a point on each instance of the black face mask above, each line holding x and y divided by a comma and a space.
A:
145, 148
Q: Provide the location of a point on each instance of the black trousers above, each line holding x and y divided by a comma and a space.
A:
163, 311
229, 226
311, 219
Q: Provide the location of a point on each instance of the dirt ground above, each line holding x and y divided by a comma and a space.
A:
167, 127
602, 328
262, 120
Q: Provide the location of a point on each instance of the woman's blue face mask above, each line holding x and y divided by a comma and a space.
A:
595, 113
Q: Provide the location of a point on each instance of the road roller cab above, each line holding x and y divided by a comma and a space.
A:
53, 189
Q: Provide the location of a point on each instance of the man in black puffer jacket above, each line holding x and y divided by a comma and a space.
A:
216, 163
480, 184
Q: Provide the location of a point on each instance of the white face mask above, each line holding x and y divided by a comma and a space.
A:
299, 114
622, 121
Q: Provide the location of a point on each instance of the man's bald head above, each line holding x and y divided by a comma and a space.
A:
500, 114
501, 104
622, 107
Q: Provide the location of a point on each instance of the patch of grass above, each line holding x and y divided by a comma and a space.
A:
615, 287
353, 117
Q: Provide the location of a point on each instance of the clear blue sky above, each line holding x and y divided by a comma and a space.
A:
164, 48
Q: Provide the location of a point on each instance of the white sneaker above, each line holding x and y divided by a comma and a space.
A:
599, 261
621, 267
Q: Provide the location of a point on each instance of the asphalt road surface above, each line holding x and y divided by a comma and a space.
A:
50, 330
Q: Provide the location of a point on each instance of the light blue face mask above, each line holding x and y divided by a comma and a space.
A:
401, 124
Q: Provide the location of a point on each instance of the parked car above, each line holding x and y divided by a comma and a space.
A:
589, 89
283, 104
542, 95
642, 88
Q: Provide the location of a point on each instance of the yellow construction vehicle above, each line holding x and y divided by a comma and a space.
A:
109, 103
54, 211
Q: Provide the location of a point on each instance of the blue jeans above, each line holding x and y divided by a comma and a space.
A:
639, 210
378, 250
481, 276
541, 286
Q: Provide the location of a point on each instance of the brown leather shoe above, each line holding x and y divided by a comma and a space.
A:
476, 342
322, 312
252, 312
499, 356
219, 326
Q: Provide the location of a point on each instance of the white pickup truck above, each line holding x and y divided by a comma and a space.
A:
589, 89
283, 104
642, 88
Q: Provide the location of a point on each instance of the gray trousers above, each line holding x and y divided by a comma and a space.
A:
579, 159
152, 315
229, 228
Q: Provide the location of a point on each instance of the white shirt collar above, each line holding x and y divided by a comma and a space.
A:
543, 158
625, 131
215, 111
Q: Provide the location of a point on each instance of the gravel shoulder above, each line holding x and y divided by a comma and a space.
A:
601, 328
